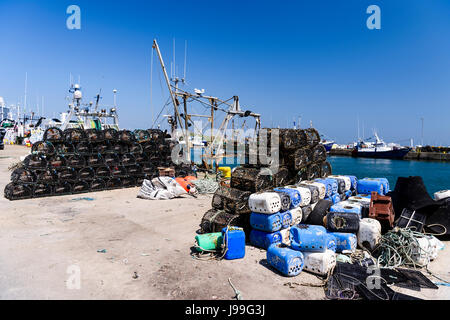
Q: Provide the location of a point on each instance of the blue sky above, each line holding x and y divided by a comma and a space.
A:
285, 59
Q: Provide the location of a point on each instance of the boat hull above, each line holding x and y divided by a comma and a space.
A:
398, 154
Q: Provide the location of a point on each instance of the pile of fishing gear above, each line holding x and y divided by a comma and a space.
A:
76, 161
277, 158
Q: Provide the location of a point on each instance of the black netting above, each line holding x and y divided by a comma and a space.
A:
56, 161
42, 190
23, 176
86, 174
74, 135
232, 200
80, 187
53, 134
94, 135
251, 179
35, 161
43, 147
67, 174
76, 161
319, 153
111, 134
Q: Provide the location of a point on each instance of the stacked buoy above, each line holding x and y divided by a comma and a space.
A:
77, 161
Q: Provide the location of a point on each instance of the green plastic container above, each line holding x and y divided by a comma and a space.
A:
209, 241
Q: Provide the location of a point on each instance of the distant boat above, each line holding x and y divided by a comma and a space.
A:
327, 144
379, 149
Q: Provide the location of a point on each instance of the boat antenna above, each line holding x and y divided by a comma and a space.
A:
185, 55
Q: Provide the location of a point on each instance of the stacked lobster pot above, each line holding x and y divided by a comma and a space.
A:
77, 161
301, 157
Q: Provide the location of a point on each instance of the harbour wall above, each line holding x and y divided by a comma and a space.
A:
412, 155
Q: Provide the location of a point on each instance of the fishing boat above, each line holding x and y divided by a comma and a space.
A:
379, 149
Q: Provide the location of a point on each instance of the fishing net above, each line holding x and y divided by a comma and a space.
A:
64, 148
231, 200
101, 147
111, 160
113, 183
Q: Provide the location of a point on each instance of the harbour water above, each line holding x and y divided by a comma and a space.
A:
436, 175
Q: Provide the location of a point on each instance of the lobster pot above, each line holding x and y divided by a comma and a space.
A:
119, 172
347, 182
67, 174
345, 242
342, 222
441, 195
97, 184
113, 183
83, 148
369, 233
23, 176
312, 137
101, 147
42, 190
311, 172
325, 169
285, 200
321, 188
126, 136
136, 149
286, 219
364, 205
215, 220
75, 135
266, 222
128, 159
296, 215
308, 238
251, 179
94, 135
56, 161
291, 139
306, 212
298, 159
340, 184
319, 153
86, 174
282, 177
47, 176
76, 161
209, 241
231, 200
314, 192
53, 134
305, 195
80, 187
320, 263
265, 202
293, 195
43, 147
103, 172
142, 135
111, 134
346, 206
35, 161
287, 261
234, 239
15, 191
366, 186
62, 188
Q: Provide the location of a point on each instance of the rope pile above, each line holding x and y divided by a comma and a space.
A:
397, 248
